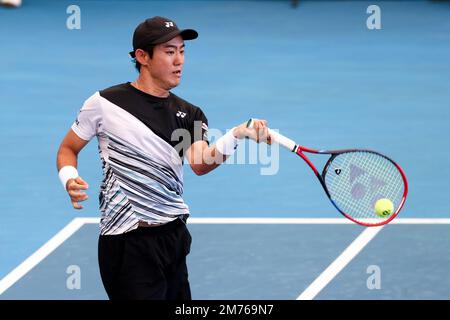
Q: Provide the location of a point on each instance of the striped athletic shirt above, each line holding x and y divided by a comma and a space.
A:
141, 140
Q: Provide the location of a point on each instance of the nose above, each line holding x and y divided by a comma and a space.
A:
179, 59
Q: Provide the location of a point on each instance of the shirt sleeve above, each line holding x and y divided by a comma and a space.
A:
88, 121
199, 127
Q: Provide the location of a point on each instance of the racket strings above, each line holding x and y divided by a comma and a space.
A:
357, 179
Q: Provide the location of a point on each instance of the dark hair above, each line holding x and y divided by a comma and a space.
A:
149, 50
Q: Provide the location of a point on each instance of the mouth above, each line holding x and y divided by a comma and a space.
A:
177, 73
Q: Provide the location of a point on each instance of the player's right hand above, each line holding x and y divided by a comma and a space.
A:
259, 131
74, 187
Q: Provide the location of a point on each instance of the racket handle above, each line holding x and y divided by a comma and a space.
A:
278, 138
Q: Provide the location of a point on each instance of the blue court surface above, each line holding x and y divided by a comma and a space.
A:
261, 229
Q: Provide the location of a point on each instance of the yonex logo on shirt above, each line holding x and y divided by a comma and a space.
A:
181, 114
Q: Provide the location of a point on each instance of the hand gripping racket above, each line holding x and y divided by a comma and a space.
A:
355, 179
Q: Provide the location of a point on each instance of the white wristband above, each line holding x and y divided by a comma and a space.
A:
66, 173
227, 144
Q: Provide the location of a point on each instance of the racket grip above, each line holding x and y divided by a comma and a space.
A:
278, 138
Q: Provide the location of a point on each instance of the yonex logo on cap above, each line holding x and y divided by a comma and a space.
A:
158, 30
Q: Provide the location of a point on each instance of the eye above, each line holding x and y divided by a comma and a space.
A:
170, 52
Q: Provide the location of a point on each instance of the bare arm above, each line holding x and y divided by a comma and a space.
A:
67, 156
203, 158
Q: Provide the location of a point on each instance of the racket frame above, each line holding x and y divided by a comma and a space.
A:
299, 150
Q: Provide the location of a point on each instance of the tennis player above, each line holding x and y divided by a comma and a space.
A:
144, 240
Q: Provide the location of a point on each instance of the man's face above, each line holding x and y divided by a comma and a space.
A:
167, 63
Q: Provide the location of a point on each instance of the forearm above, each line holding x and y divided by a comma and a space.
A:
66, 163
210, 159
204, 158
66, 157
72, 182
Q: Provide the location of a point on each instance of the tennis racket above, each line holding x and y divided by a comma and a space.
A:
354, 180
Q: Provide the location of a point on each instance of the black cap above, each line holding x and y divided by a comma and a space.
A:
158, 30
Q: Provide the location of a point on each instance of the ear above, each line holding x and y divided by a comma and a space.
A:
142, 57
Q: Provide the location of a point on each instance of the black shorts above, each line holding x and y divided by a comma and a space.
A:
146, 263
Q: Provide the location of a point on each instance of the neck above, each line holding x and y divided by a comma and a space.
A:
146, 84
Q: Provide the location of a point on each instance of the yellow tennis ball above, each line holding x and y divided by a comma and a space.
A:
384, 208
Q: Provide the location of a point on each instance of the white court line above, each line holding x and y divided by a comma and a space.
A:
294, 220
269, 221
337, 265
77, 223
309, 221
43, 252
420, 221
